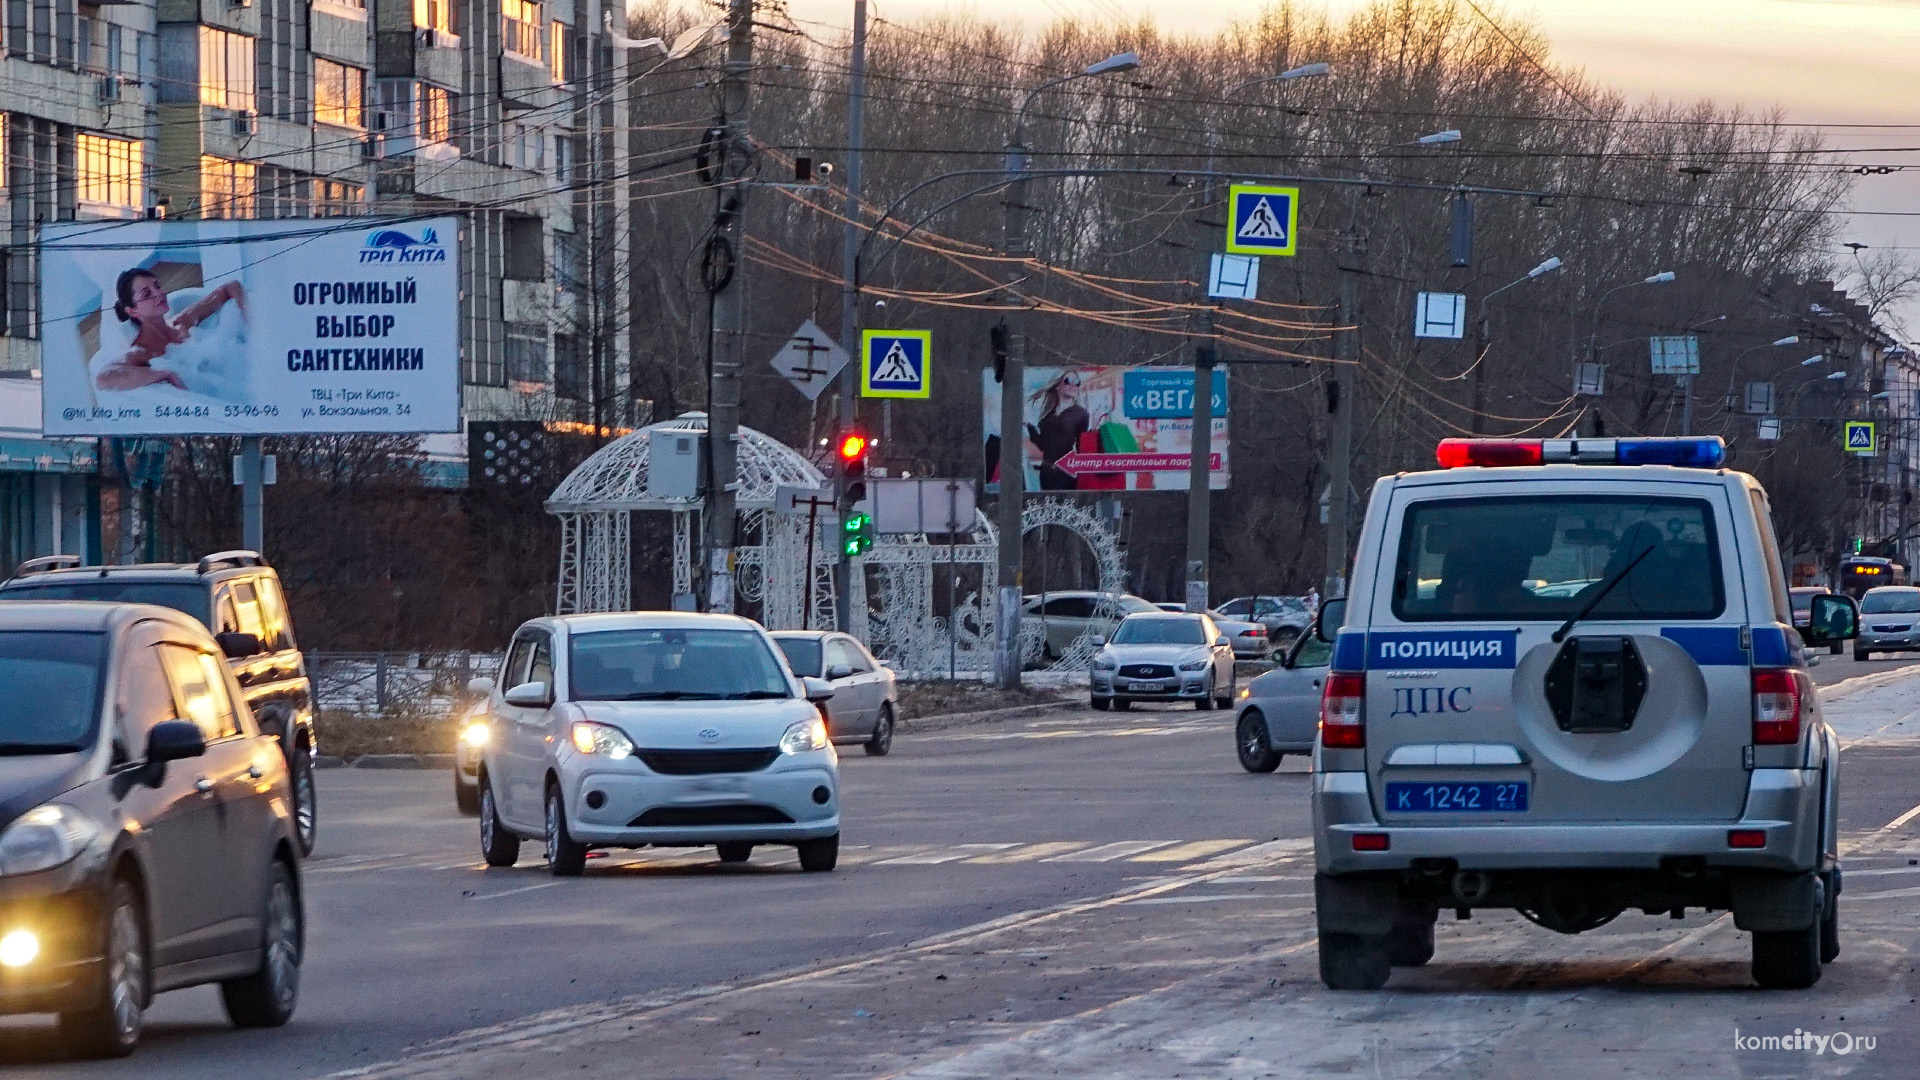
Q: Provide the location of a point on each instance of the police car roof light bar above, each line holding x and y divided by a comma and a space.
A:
1707, 452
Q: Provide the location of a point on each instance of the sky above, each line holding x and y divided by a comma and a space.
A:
1826, 62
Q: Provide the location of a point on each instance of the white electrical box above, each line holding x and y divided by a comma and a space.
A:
676, 464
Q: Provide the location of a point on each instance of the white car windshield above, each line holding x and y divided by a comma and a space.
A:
674, 664
1891, 602
1159, 632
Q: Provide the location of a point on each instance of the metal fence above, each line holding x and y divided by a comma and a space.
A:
374, 683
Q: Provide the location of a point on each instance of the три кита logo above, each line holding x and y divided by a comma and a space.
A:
397, 245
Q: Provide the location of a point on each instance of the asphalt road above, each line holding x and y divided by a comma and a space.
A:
1066, 895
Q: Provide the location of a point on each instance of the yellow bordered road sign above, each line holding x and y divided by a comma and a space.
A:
1262, 220
896, 363
1857, 437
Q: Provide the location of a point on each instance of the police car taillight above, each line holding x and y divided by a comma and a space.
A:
1706, 452
1343, 711
1778, 696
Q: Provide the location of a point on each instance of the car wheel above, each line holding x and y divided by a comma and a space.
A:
819, 856
1410, 942
734, 851
1787, 959
566, 857
1830, 926
1101, 704
1354, 961
882, 740
306, 798
498, 846
1835, 649
1226, 702
1250, 740
1860, 654
266, 998
1121, 704
1205, 701
465, 796
108, 1025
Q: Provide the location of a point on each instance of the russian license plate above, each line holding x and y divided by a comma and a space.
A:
1150, 687
710, 787
1484, 796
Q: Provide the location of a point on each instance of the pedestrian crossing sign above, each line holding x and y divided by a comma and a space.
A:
896, 363
1261, 220
1859, 437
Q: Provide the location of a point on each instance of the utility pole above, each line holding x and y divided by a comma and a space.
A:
253, 523
846, 407
729, 309
1200, 470
1340, 444
1013, 436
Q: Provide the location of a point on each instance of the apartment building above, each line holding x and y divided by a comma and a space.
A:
510, 114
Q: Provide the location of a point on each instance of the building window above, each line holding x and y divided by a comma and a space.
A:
436, 114
285, 67
563, 157
337, 198
558, 50
520, 28
111, 171
226, 69
569, 374
339, 94
226, 188
525, 147
526, 261
106, 48
433, 15
527, 356
279, 193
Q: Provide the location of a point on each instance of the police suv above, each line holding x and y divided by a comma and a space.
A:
1567, 681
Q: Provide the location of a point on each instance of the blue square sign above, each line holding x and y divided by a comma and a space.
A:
896, 363
1262, 220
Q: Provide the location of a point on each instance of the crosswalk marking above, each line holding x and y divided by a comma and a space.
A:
1119, 849
1031, 852
937, 856
1199, 849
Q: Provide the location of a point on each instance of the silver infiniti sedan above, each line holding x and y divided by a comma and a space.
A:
655, 728
1279, 711
1163, 657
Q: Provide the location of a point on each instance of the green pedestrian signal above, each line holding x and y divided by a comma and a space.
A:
856, 534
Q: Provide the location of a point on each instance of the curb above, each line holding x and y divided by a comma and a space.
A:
941, 721
385, 761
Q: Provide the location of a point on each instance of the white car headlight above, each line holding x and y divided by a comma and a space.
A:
1196, 665
804, 735
45, 837
602, 740
477, 733
1105, 663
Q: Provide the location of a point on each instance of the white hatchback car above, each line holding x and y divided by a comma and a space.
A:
655, 728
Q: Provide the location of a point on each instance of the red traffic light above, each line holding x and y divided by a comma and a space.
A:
853, 447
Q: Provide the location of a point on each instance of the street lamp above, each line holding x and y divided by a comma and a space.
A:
1482, 342
1593, 331
1733, 369
1006, 644
1810, 361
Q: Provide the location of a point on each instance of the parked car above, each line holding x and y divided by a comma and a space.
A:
147, 841
1889, 621
865, 699
1249, 639
1159, 656
664, 728
1066, 616
1803, 610
1279, 710
237, 596
1285, 617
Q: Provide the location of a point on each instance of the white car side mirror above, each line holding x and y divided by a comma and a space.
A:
817, 689
480, 684
1099, 640
530, 695
1222, 640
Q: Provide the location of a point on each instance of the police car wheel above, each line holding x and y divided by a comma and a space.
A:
1830, 927
1787, 959
1354, 961
1410, 942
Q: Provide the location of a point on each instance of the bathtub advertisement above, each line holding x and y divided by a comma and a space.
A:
250, 327
1107, 428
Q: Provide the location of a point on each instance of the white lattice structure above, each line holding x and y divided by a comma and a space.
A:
596, 502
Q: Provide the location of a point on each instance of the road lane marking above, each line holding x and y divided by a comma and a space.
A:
521, 889
1210, 899
1199, 849
1032, 852
1267, 852
1896, 823
937, 856
1851, 874
1893, 894
1108, 852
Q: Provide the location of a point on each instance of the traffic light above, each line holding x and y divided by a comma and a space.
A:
856, 534
852, 449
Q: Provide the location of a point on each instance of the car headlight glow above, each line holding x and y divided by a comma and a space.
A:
804, 735
19, 948
45, 837
602, 740
477, 733
1196, 665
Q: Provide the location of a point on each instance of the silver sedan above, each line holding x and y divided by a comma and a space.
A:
1280, 710
1163, 657
865, 699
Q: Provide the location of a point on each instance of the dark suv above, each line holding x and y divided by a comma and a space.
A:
237, 596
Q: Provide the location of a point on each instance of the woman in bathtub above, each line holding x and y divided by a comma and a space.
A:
141, 302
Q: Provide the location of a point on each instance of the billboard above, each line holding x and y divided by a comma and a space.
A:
1107, 428
250, 327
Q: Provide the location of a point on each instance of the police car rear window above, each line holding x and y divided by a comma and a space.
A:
1547, 557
